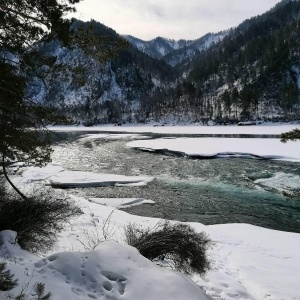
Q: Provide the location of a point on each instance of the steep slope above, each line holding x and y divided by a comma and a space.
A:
194, 48
158, 47
92, 92
248, 72
254, 71
175, 52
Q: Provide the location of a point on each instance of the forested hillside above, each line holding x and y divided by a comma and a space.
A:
245, 73
158, 47
91, 92
252, 73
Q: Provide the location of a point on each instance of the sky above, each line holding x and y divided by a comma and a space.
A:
174, 19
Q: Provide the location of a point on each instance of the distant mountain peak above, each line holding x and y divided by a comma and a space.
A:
164, 48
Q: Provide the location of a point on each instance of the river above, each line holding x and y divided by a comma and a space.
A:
214, 191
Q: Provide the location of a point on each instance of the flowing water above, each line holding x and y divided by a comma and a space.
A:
207, 191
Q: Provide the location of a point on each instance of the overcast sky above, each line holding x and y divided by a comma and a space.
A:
175, 19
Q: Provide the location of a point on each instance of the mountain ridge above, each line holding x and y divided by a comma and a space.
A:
249, 72
174, 52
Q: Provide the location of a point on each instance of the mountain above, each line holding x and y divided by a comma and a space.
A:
92, 92
193, 48
260, 60
252, 73
158, 47
175, 52
249, 72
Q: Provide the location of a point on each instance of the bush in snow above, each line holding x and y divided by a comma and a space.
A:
6, 279
176, 245
36, 220
39, 294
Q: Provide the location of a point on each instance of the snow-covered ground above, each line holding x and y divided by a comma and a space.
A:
249, 262
224, 147
265, 128
111, 271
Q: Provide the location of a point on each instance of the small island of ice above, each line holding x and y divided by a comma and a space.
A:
222, 147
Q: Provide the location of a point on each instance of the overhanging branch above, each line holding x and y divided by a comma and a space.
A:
26, 16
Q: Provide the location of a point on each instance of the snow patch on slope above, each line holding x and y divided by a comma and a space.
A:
114, 92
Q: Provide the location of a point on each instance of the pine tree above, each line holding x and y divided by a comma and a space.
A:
227, 102
6, 279
293, 135
23, 24
40, 292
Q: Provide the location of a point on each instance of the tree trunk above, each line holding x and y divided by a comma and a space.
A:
9, 181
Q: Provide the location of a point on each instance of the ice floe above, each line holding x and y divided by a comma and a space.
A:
281, 181
222, 147
121, 202
108, 136
56, 176
71, 179
34, 178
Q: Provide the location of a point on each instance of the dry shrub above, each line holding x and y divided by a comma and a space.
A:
176, 244
36, 220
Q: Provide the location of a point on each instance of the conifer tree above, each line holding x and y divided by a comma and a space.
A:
7, 282
293, 135
24, 24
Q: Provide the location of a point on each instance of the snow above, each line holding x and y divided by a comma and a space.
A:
108, 136
263, 129
265, 262
32, 174
121, 202
112, 271
30, 179
280, 181
7, 241
214, 38
67, 179
56, 176
114, 91
224, 147
248, 262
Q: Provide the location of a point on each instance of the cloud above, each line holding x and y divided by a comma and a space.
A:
188, 19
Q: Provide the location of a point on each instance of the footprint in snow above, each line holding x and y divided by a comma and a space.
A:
113, 279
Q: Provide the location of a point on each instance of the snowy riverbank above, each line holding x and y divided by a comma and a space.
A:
249, 262
260, 129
